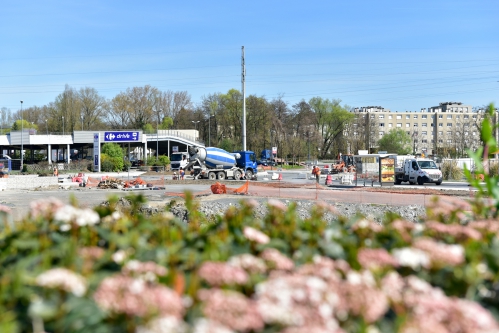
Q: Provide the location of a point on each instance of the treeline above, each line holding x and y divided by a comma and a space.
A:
309, 128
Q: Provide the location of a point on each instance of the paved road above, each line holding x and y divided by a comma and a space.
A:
19, 200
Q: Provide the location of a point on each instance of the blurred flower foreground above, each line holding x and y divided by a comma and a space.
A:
69, 269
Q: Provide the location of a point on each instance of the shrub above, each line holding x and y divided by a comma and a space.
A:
451, 171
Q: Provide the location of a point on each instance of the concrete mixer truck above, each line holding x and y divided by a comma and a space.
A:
215, 163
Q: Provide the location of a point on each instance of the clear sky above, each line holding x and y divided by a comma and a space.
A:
401, 55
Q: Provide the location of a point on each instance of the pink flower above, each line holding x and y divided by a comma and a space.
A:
274, 203
458, 231
255, 235
249, 263
375, 258
219, 273
367, 224
441, 253
134, 297
135, 267
277, 260
231, 309
45, 208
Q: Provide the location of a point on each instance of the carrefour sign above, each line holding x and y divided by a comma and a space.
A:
121, 136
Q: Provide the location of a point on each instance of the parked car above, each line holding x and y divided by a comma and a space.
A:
262, 162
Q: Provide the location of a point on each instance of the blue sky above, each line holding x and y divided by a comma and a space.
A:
400, 55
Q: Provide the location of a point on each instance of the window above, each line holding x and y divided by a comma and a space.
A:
449, 133
424, 116
381, 133
381, 116
440, 133
466, 116
399, 124
449, 141
415, 116
440, 116
355, 133
355, 125
440, 124
424, 133
381, 124
458, 116
449, 116
390, 125
390, 117
424, 141
407, 116
466, 133
440, 141
409, 133
474, 133
415, 124
474, 116
424, 125
407, 125
431, 124
373, 116
465, 109
399, 117
449, 124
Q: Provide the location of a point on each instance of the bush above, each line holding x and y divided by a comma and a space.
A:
451, 171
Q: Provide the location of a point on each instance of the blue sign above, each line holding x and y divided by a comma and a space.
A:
121, 136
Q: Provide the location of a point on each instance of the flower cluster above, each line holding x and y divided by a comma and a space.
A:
68, 215
255, 235
276, 260
64, 279
219, 273
45, 208
136, 297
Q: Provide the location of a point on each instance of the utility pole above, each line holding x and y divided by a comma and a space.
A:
243, 81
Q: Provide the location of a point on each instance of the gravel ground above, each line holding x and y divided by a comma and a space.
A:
213, 205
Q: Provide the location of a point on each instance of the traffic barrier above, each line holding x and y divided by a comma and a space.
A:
280, 177
329, 180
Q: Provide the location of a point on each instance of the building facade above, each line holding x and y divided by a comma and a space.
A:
449, 128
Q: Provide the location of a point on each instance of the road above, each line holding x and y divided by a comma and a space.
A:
294, 185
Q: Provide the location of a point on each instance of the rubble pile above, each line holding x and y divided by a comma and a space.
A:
134, 182
111, 183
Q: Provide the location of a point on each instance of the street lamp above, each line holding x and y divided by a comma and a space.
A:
195, 122
157, 133
22, 136
62, 125
81, 117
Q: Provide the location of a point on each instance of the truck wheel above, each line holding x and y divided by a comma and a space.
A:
438, 183
237, 175
420, 181
221, 175
249, 174
212, 176
398, 181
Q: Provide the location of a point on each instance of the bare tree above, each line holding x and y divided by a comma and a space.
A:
92, 107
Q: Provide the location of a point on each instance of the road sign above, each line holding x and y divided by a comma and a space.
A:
121, 136
175, 149
96, 152
274, 150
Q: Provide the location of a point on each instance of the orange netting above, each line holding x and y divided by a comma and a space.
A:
136, 181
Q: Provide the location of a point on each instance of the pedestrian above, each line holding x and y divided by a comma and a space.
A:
182, 174
56, 172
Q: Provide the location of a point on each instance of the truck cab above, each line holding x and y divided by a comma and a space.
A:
419, 171
178, 160
246, 160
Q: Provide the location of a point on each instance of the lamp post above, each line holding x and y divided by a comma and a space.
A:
81, 117
22, 136
62, 125
195, 122
157, 133
414, 142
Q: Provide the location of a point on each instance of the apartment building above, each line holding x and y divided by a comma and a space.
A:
448, 127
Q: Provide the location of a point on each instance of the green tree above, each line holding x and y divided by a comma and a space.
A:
331, 120
112, 155
396, 141
25, 125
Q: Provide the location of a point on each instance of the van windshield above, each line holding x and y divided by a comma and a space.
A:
427, 165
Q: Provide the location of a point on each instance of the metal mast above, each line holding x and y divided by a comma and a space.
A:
243, 79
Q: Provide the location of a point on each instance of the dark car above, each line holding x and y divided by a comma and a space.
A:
262, 162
